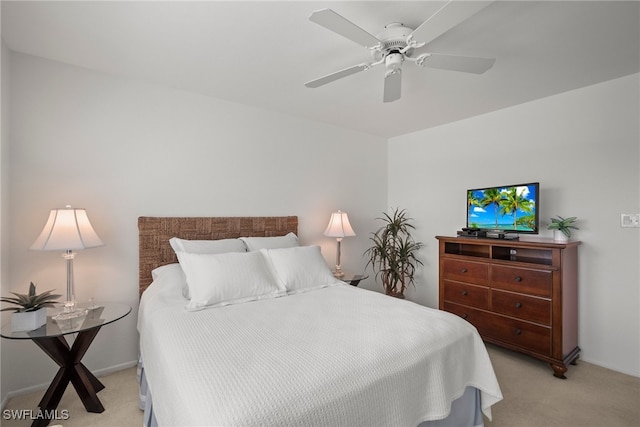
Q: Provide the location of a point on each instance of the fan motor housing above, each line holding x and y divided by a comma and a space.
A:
393, 38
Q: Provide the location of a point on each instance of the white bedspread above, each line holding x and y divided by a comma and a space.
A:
337, 356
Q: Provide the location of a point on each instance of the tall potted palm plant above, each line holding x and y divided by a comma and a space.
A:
393, 253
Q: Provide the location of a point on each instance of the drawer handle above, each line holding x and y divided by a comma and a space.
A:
518, 279
518, 305
463, 270
517, 331
464, 293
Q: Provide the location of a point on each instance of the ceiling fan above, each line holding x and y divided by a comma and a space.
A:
399, 43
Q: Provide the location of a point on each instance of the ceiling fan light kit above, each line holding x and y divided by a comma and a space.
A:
393, 60
399, 43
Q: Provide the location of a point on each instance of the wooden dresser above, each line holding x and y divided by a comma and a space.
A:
519, 294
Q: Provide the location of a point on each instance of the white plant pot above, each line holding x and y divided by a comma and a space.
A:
559, 236
28, 320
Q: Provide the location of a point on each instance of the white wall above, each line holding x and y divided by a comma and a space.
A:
584, 149
123, 149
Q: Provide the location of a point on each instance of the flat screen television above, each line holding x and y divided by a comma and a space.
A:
506, 208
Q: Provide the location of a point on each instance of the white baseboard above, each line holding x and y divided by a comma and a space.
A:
116, 368
98, 373
607, 366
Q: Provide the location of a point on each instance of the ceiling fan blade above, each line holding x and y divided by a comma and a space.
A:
465, 64
340, 25
447, 17
392, 85
337, 75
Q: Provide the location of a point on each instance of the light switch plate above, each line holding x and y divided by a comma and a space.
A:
630, 220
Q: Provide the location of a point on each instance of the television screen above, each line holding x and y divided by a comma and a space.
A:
508, 208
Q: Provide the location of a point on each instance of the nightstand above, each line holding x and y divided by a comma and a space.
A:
353, 279
50, 338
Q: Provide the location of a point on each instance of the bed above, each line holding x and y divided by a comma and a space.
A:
278, 341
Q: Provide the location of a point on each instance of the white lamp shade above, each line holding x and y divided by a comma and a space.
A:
339, 226
67, 229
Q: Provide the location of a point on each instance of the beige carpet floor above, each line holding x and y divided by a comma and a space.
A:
591, 396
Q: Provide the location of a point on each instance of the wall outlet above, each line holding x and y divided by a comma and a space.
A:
630, 220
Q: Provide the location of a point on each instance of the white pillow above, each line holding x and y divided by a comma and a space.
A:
207, 246
168, 269
257, 243
230, 278
169, 277
301, 268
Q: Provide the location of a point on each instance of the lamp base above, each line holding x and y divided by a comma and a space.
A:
70, 311
338, 272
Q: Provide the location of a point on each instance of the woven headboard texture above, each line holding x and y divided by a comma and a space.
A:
154, 234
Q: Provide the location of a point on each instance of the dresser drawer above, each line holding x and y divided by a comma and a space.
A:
524, 307
465, 271
522, 280
466, 294
526, 335
471, 315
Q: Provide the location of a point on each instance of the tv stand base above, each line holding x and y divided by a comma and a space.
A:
500, 235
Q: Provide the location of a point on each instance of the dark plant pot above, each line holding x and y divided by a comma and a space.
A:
396, 295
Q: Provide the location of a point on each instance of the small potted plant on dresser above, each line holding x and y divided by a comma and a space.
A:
562, 228
31, 310
393, 254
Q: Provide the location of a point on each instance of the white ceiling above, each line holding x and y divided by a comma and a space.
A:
261, 53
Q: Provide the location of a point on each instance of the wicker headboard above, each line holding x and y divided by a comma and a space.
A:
154, 234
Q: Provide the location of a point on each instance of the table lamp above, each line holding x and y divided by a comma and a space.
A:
339, 227
67, 229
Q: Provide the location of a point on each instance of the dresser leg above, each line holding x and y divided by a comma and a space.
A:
558, 370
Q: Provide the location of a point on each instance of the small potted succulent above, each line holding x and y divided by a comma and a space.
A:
562, 228
30, 312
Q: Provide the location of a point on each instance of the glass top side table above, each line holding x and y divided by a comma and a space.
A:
353, 279
50, 338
